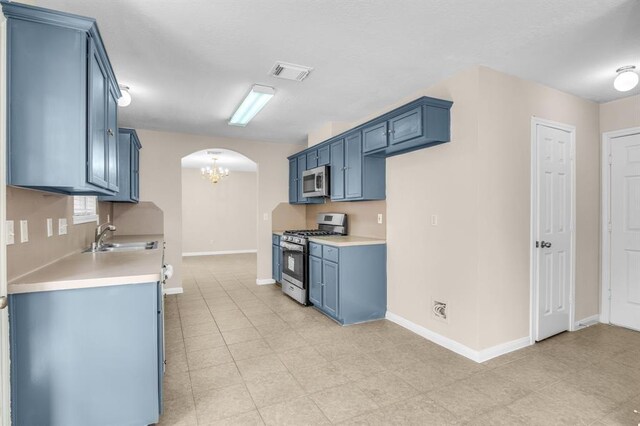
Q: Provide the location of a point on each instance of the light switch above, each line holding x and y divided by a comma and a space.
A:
380, 218
49, 227
265, 216
62, 226
24, 231
434, 220
108, 218
10, 232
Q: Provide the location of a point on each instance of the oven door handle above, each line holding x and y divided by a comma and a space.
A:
291, 247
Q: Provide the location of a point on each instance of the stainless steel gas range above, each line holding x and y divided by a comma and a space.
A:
295, 256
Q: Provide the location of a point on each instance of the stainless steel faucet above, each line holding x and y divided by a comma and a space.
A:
100, 233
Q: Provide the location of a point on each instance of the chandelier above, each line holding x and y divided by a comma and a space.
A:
214, 173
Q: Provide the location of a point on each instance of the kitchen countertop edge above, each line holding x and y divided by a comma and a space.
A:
88, 270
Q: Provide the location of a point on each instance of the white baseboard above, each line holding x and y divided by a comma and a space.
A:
265, 281
457, 347
217, 253
586, 322
173, 290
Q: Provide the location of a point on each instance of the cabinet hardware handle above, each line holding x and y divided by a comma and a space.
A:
4, 301
110, 132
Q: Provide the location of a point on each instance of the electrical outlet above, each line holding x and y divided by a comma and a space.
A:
62, 226
24, 231
380, 218
265, 216
434, 220
10, 232
49, 227
108, 218
440, 310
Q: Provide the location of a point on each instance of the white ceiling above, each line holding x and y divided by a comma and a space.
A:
227, 159
189, 63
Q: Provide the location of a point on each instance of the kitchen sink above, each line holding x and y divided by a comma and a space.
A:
117, 247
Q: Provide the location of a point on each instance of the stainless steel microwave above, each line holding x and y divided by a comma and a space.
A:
315, 182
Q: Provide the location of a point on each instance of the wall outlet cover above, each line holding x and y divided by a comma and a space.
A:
380, 218
24, 231
434, 220
49, 227
62, 226
440, 310
11, 236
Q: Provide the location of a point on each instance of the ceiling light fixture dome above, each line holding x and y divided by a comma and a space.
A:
626, 79
125, 99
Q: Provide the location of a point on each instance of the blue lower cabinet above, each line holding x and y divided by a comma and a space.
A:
349, 284
315, 280
276, 258
90, 356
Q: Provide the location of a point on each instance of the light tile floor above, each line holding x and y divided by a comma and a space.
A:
241, 354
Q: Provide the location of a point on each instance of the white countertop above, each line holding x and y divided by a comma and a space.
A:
346, 240
86, 270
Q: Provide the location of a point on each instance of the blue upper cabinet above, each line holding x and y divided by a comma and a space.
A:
419, 124
128, 149
336, 170
293, 180
62, 95
353, 166
356, 158
302, 167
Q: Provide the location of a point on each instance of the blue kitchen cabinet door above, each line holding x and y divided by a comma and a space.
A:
113, 142
276, 261
161, 354
302, 167
353, 164
315, 281
128, 168
293, 180
324, 155
374, 137
336, 182
330, 287
98, 165
86, 356
57, 83
312, 159
406, 127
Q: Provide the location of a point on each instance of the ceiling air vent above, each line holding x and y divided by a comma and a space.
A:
290, 71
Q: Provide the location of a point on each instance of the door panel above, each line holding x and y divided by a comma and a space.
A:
337, 170
293, 180
112, 139
302, 166
312, 159
323, 156
625, 231
375, 137
554, 229
315, 281
353, 162
406, 126
330, 287
97, 147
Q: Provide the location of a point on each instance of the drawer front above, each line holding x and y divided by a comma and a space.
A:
275, 239
315, 249
330, 253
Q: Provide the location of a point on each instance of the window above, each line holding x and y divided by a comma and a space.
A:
84, 209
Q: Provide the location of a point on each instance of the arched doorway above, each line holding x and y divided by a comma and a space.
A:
219, 203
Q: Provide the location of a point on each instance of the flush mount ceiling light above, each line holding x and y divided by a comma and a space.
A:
252, 104
626, 79
125, 99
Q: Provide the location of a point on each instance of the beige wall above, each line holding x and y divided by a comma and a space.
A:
477, 257
220, 217
161, 176
144, 218
506, 106
40, 250
288, 216
362, 216
620, 114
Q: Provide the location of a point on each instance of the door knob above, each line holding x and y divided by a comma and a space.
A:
4, 301
545, 244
